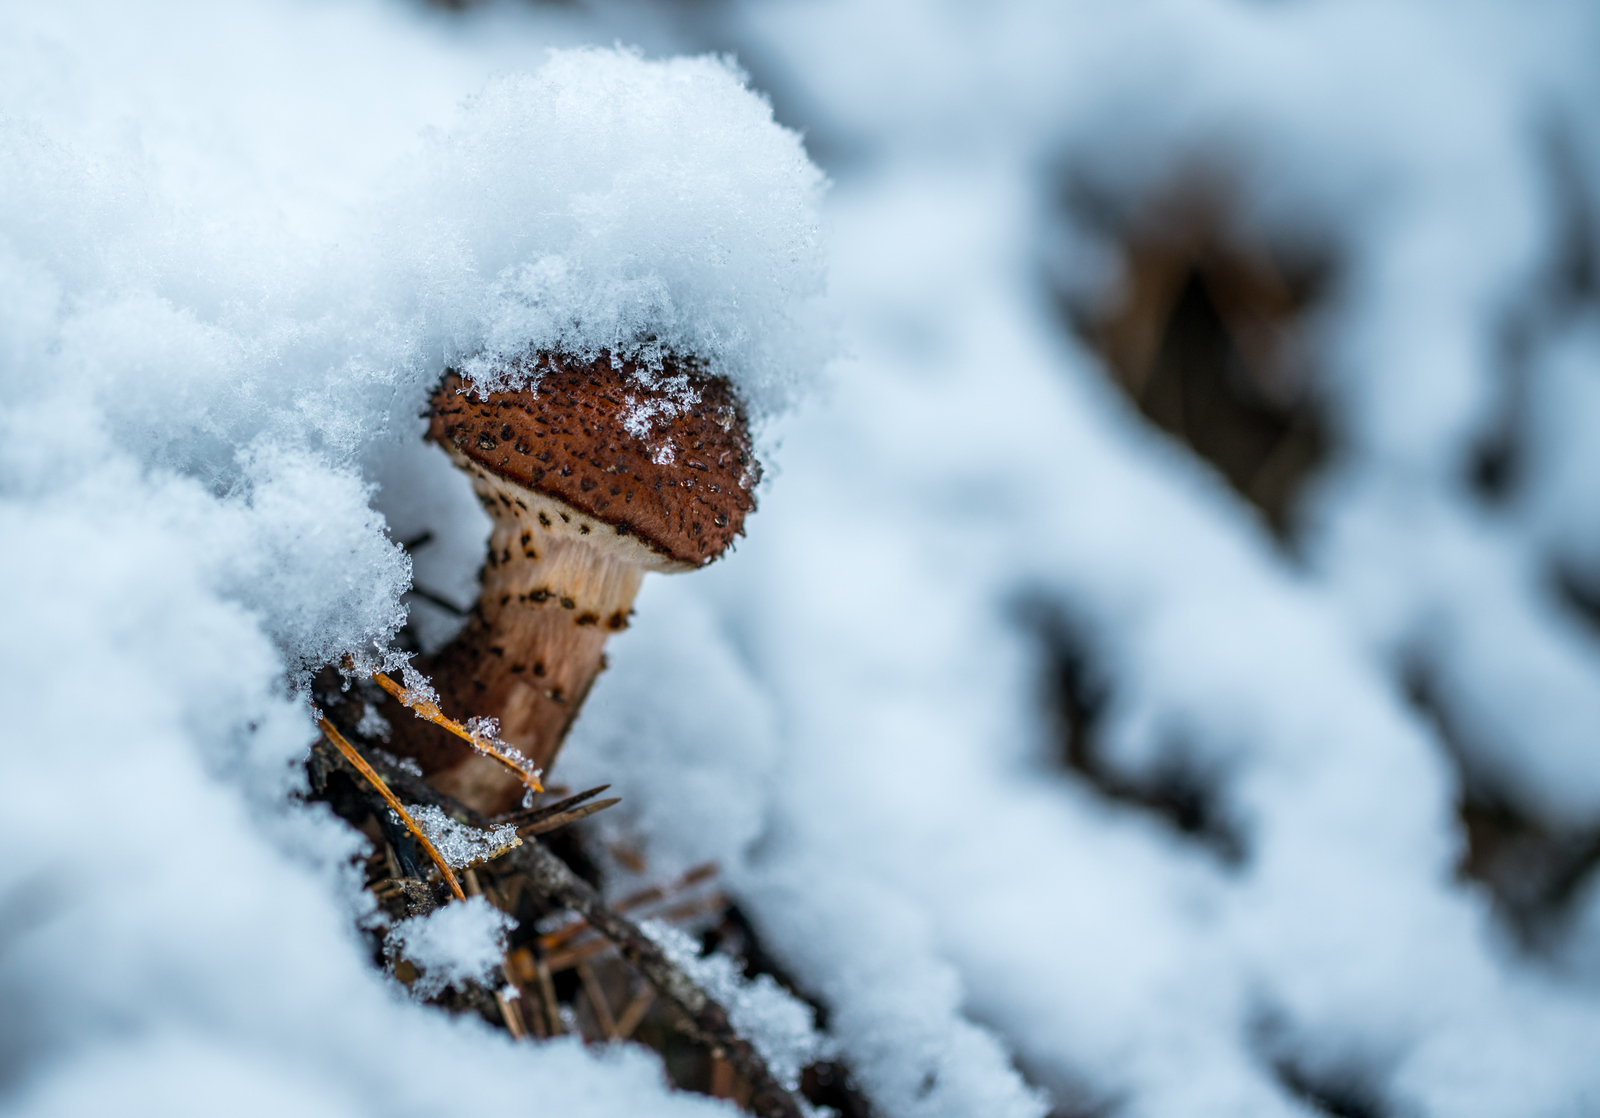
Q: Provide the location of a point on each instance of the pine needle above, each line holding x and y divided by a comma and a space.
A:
428, 711
556, 822
394, 803
691, 877
527, 816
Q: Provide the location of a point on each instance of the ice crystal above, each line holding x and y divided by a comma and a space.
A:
460, 844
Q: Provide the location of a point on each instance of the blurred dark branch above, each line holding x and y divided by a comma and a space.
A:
438, 600
707, 1020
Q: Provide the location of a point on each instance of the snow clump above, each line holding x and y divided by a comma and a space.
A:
451, 945
460, 844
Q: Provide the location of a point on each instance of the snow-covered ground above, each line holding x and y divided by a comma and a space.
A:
239, 244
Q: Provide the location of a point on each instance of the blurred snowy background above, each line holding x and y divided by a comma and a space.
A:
1162, 676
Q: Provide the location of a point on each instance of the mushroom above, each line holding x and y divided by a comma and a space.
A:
593, 475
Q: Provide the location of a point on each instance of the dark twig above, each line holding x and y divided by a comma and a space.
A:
574, 950
534, 815
436, 599
556, 822
647, 896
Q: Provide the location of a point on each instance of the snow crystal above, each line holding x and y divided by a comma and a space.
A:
374, 725
405, 764
486, 728
418, 687
461, 942
461, 844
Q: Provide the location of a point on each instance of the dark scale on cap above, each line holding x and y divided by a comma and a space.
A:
688, 508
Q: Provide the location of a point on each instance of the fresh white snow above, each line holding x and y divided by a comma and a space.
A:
451, 944
239, 244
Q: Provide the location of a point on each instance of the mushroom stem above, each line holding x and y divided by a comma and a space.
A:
535, 641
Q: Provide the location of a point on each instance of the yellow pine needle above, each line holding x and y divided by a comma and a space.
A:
422, 708
366, 770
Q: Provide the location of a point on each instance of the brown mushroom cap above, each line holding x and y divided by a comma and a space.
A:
666, 463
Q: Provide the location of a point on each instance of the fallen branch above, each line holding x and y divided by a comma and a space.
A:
705, 871
707, 1019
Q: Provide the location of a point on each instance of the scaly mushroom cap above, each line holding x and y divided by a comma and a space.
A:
592, 476
666, 463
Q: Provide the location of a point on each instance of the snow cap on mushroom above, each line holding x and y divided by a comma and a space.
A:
637, 207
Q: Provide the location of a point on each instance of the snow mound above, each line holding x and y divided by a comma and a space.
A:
223, 302
613, 203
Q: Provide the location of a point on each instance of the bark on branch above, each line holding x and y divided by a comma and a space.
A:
707, 1019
